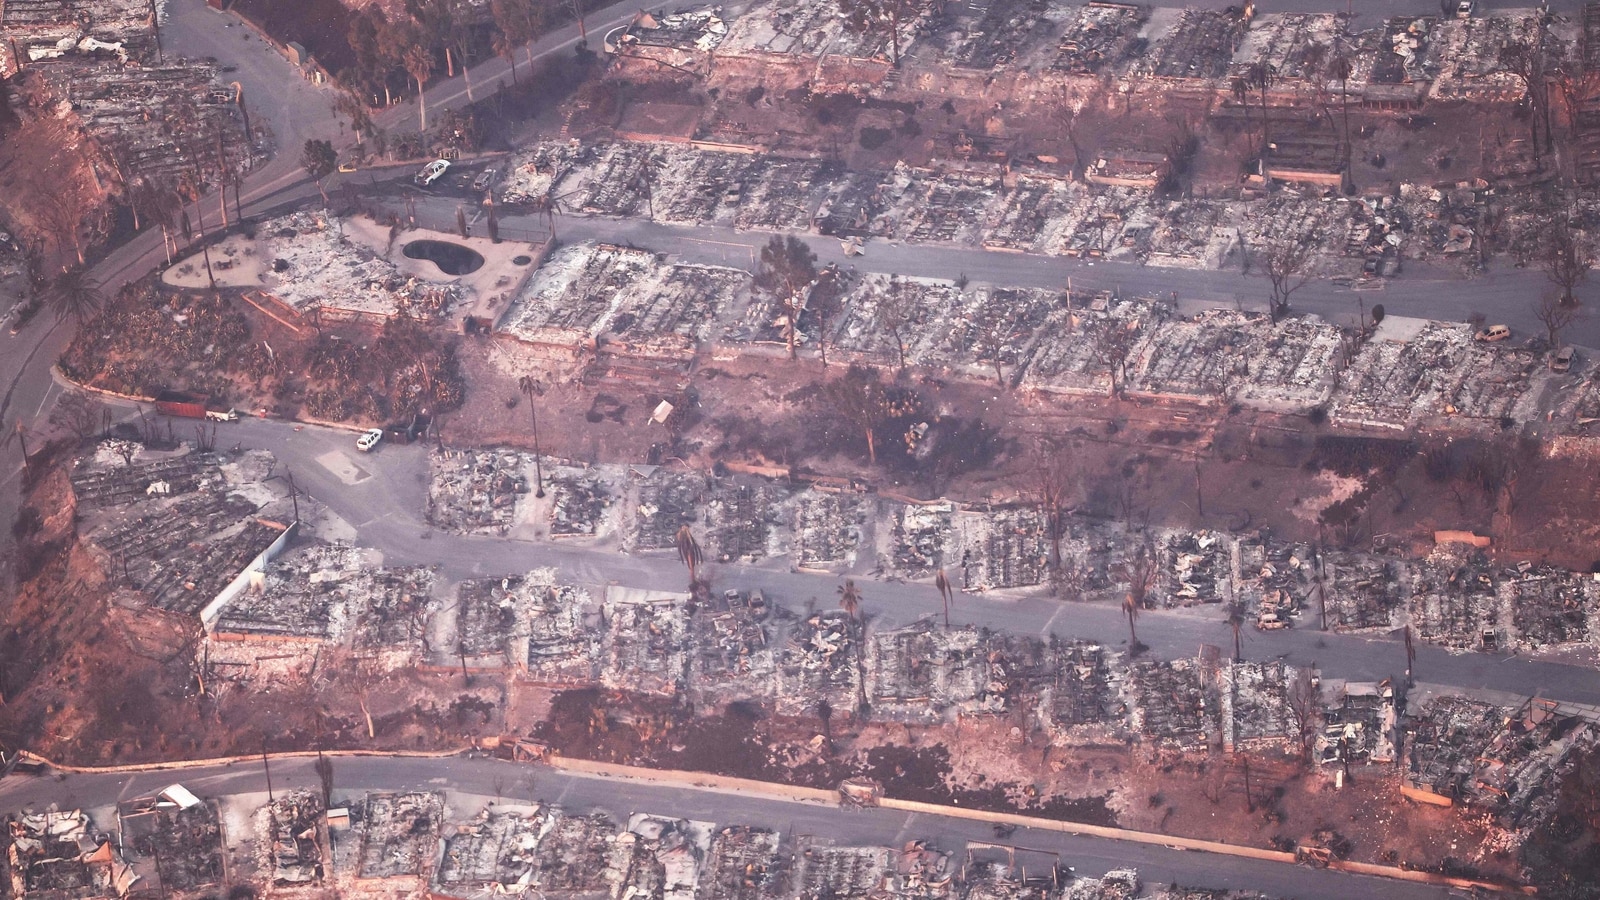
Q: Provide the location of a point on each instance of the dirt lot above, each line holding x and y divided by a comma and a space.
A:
987, 763
1136, 459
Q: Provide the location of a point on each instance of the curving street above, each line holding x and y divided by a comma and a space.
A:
386, 509
472, 782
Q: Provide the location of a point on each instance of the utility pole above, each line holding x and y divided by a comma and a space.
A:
294, 493
266, 766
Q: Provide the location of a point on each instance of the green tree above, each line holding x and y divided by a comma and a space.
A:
787, 267
319, 160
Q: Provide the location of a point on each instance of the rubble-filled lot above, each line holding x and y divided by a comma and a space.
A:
1102, 38
306, 593
922, 671
178, 525
590, 292
496, 850
1083, 690
1364, 593
1196, 567
1002, 548
1444, 739
744, 864
181, 844
1256, 705
1361, 723
668, 500
808, 30
734, 652
296, 826
152, 115
1174, 702
1277, 580
1200, 44
1413, 370
918, 540
400, 834
56, 853
828, 529
1513, 774
476, 491
1455, 602
820, 662
646, 646
563, 638
582, 504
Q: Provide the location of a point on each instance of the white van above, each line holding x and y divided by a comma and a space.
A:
222, 415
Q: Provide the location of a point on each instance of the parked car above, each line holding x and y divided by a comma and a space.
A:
222, 415
484, 179
369, 439
432, 172
1493, 333
1562, 361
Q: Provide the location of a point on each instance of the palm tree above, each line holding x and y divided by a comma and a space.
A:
689, 551
1236, 621
850, 598
1130, 607
73, 294
530, 386
419, 65
850, 602
942, 582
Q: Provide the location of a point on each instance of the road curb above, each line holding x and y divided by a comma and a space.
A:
179, 765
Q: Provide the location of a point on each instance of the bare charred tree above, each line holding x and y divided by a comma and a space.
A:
1562, 255
1554, 315
1286, 261
1112, 343
991, 340
788, 266
850, 598
1054, 473
859, 398
894, 314
60, 212
1304, 710
880, 17
531, 388
1141, 578
80, 414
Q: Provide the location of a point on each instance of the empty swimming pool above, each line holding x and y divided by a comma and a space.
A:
452, 259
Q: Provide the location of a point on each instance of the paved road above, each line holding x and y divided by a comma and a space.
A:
487, 779
1506, 293
385, 509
